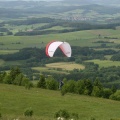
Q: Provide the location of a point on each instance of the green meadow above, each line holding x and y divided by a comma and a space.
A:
15, 29
79, 38
8, 51
105, 63
45, 103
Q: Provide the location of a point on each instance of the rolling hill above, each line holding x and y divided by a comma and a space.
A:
45, 103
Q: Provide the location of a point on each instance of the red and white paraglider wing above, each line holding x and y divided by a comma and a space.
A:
66, 49
51, 48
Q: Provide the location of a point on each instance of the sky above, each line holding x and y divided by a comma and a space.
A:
31, 0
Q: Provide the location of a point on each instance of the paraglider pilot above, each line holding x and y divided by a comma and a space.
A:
61, 84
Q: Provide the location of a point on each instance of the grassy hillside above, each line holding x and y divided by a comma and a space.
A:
45, 103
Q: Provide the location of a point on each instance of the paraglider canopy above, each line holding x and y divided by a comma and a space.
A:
52, 47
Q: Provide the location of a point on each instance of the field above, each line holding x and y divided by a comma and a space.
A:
65, 66
60, 67
45, 103
48, 69
8, 51
105, 63
80, 38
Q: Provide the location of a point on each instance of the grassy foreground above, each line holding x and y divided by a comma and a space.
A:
45, 103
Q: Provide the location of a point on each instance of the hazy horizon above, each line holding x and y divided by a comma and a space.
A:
32, 0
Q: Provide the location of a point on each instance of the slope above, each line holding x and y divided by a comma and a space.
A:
45, 103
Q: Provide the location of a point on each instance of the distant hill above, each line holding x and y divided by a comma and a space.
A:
75, 10
103, 2
107, 2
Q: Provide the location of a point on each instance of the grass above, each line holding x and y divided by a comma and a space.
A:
79, 38
58, 28
105, 63
8, 51
65, 65
45, 103
59, 67
12, 63
15, 29
51, 70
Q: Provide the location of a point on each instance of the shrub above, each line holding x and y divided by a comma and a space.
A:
29, 85
116, 95
62, 113
64, 90
28, 112
92, 118
74, 116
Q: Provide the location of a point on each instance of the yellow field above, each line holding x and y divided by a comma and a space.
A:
65, 65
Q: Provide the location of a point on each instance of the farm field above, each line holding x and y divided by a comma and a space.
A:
65, 66
15, 29
8, 51
48, 69
45, 103
79, 38
105, 63
59, 67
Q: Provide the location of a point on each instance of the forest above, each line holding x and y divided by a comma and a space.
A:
36, 57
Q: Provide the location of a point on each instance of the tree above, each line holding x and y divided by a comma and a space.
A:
88, 87
2, 75
97, 83
51, 83
113, 89
41, 83
116, 95
106, 93
7, 79
97, 89
97, 92
18, 79
71, 86
80, 86
15, 71
25, 81
9, 33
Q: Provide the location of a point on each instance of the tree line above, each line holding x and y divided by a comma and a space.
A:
79, 54
75, 26
85, 86
34, 57
51, 22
